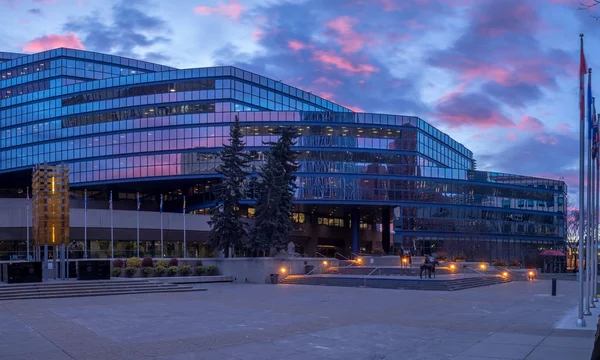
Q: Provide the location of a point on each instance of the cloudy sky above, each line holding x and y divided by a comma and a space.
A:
498, 75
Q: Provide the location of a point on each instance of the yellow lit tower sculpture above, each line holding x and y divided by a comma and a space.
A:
50, 215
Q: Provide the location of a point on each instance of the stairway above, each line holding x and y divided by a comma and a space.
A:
395, 283
73, 288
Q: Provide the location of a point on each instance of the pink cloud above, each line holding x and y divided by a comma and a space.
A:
329, 58
354, 108
343, 32
454, 92
326, 81
494, 119
529, 123
296, 45
511, 136
564, 128
458, 109
231, 8
474, 71
547, 139
326, 95
53, 41
413, 24
257, 35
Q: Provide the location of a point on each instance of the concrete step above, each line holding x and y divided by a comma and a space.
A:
97, 293
105, 288
395, 283
72, 288
71, 282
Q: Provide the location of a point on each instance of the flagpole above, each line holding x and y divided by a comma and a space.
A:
112, 228
595, 247
85, 254
588, 214
184, 235
138, 225
27, 222
592, 218
580, 319
162, 252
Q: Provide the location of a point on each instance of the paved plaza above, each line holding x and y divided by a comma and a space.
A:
239, 321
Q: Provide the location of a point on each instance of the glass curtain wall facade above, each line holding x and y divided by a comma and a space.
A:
114, 120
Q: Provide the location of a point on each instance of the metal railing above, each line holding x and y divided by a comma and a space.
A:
311, 272
371, 273
474, 270
340, 255
321, 255
513, 273
376, 269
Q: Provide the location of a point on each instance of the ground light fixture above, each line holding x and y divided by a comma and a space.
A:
359, 260
505, 274
452, 267
482, 266
283, 270
325, 262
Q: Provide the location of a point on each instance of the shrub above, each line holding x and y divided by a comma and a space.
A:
134, 262
212, 270
163, 263
130, 271
147, 271
200, 270
147, 262
500, 263
198, 262
186, 270
160, 270
173, 262
515, 263
116, 272
118, 263
172, 270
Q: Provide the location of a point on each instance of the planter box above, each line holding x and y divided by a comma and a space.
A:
93, 270
22, 272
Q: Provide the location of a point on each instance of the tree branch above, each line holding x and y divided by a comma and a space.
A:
583, 6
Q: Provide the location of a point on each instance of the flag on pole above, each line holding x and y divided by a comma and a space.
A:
595, 131
184, 204
589, 107
110, 206
138, 202
582, 72
161, 203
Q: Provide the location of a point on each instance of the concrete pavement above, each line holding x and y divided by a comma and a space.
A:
237, 321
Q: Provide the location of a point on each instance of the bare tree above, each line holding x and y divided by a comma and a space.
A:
572, 241
584, 6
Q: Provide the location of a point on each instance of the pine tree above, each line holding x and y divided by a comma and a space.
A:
275, 190
227, 229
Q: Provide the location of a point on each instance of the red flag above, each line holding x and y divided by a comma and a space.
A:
582, 72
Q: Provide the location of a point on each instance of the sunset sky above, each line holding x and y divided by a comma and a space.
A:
499, 76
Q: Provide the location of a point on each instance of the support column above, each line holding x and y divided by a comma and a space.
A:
355, 221
385, 229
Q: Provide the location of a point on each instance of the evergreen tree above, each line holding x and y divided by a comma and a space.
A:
227, 229
275, 190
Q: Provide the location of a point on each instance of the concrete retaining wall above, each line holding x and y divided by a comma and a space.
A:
258, 270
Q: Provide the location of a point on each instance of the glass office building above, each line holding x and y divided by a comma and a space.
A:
129, 126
